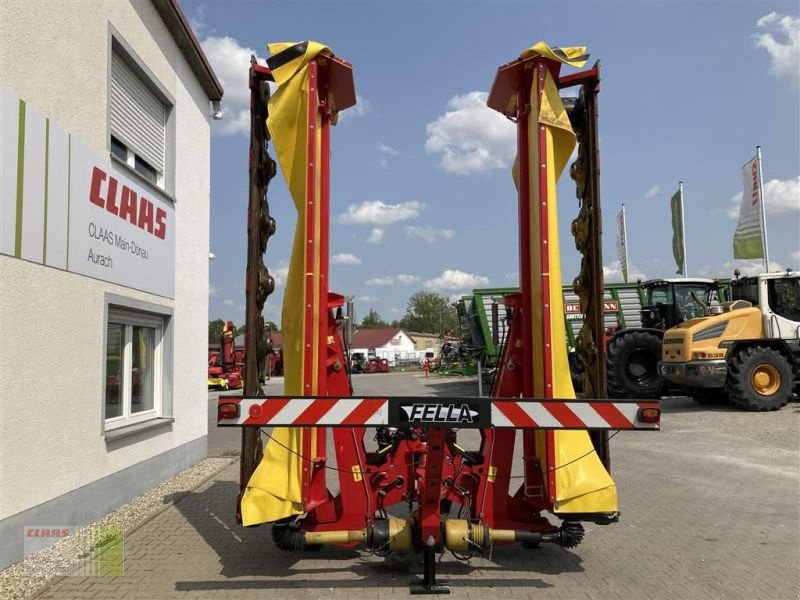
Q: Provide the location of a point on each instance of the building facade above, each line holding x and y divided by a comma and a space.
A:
427, 342
391, 343
104, 236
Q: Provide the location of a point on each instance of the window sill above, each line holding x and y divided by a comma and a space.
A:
128, 430
130, 171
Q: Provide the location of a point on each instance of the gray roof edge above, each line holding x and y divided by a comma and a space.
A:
178, 26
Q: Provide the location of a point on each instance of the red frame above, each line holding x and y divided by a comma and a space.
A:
418, 466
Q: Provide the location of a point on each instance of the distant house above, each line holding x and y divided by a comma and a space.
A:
427, 342
391, 343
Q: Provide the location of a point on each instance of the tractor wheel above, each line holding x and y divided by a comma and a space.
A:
632, 365
708, 395
759, 379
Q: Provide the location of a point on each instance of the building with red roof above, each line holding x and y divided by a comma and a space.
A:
391, 343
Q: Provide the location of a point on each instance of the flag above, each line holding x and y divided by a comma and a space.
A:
678, 250
622, 244
747, 241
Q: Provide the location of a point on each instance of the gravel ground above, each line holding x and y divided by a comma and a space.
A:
26, 578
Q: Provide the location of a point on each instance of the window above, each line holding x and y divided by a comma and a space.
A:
784, 297
660, 294
745, 289
133, 367
688, 306
137, 119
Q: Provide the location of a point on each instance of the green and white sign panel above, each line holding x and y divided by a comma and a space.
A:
64, 206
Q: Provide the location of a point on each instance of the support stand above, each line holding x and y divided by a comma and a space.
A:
428, 584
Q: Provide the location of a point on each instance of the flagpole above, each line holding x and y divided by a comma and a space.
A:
763, 210
683, 230
625, 241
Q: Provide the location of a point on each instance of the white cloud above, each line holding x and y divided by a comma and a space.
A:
376, 236
407, 279
345, 259
454, 280
746, 267
388, 280
279, 274
780, 197
231, 63
272, 311
512, 276
652, 192
781, 40
366, 299
471, 136
388, 150
394, 311
795, 257
429, 233
197, 22
212, 291
362, 107
228, 302
613, 272
375, 212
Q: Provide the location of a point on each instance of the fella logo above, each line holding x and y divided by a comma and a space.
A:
439, 413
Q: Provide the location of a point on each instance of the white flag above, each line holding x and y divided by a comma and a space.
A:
747, 241
622, 244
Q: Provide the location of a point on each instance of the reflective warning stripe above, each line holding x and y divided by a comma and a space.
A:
516, 413
308, 412
570, 415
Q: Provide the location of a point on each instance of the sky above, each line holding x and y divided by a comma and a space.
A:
421, 190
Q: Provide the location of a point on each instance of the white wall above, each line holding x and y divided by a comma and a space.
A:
51, 322
405, 349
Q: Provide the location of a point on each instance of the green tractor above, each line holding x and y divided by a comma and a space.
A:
632, 355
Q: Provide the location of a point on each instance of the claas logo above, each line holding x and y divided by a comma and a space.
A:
439, 413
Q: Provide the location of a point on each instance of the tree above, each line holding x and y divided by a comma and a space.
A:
373, 320
241, 330
215, 330
429, 312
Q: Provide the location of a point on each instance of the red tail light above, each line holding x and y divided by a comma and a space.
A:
649, 415
229, 410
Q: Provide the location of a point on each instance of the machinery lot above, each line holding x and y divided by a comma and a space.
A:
710, 509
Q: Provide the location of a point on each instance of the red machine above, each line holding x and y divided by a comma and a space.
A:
421, 462
377, 365
225, 368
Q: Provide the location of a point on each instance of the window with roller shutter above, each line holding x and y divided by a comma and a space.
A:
138, 122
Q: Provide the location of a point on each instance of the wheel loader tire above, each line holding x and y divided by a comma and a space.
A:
759, 379
632, 365
708, 395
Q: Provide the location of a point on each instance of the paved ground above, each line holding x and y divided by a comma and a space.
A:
711, 509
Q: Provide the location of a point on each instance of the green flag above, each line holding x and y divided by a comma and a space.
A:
676, 204
747, 241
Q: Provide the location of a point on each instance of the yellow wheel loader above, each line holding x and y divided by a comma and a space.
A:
746, 351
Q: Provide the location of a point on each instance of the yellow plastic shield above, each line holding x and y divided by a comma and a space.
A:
274, 490
582, 483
